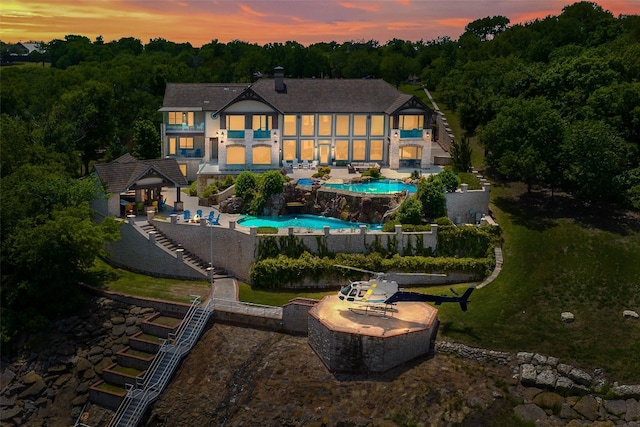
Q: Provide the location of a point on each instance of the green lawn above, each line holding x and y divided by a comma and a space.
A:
551, 265
127, 282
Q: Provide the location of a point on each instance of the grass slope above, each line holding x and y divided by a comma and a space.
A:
556, 263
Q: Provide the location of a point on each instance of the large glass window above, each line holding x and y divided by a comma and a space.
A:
236, 155
306, 149
342, 125
307, 126
235, 122
410, 152
375, 149
180, 118
186, 143
377, 125
172, 146
324, 124
342, 149
262, 122
411, 122
183, 169
359, 125
261, 155
359, 149
174, 117
289, 149
290, 125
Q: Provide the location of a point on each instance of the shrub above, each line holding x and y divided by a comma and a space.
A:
210, 190
431, 194
272, 183
449, 179
193, 189
226, 183
246, 184
410, 211
372, 172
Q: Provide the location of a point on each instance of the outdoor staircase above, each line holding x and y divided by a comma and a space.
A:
149, 386
192, 259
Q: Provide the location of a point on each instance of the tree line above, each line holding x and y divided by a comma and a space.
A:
554, 102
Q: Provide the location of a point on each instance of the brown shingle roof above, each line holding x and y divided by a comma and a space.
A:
332, 96
301, 96
204, 96
119, 175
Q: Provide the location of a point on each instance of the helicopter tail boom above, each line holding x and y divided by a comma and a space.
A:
436, 299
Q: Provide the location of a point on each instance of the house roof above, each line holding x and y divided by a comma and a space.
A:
124, 172
300, 96
200, 96
332, 95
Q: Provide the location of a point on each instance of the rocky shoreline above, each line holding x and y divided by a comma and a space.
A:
48, 385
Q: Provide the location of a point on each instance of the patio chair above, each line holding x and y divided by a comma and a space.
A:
186, 215
214, 221
162, 204
295, 164
285, 165
212, 214
199, 213
314, 164
305, 164
155, 205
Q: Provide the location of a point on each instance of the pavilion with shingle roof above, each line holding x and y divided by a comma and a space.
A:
129, 181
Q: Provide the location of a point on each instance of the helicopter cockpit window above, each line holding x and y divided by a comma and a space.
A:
353, 292
345, 290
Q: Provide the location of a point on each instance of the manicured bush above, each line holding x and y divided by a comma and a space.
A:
193, 189
449, 179
410, 212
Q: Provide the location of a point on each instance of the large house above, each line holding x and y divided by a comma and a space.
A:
217, 129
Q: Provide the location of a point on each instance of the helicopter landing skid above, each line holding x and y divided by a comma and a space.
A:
373, 310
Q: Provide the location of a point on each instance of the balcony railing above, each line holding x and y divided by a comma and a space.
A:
261, 134
186, 128
413, 133
235, 134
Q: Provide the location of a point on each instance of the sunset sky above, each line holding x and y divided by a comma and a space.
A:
265, 21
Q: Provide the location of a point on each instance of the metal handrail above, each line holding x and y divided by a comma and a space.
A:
175, 346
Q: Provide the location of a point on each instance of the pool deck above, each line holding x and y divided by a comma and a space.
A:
191, 203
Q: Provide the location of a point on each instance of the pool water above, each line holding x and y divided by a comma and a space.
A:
302, 221
378, 186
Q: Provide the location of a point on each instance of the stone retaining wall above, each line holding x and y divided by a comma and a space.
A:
554, 393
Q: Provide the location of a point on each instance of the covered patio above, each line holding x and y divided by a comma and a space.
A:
133, 186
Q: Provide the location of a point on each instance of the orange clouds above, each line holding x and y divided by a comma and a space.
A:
258, 21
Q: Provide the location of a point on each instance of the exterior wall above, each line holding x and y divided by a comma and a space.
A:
468, 206
137, 252
234, 249
295, 315
396, 142
350, 352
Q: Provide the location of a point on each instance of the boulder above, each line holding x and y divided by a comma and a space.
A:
630, 314
633, 410
627, 391
581, 377
546, 379
567, 317
530, 412
528, 374
587, 406
616, 407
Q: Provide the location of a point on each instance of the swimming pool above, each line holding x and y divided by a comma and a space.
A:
378, 186
302, 221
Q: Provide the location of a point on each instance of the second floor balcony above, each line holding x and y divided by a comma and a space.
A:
184, 127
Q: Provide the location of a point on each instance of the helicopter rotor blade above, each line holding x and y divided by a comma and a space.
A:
362, 270
453, 291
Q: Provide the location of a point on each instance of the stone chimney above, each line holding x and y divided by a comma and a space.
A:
278, 76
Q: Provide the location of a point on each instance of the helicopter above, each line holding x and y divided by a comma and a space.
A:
379, 291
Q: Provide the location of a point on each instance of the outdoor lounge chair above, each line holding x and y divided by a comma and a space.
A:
295, 164
199, 213
213, 221
305, 164
314, 164
186, 215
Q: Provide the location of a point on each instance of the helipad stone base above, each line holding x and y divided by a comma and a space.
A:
349, 338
